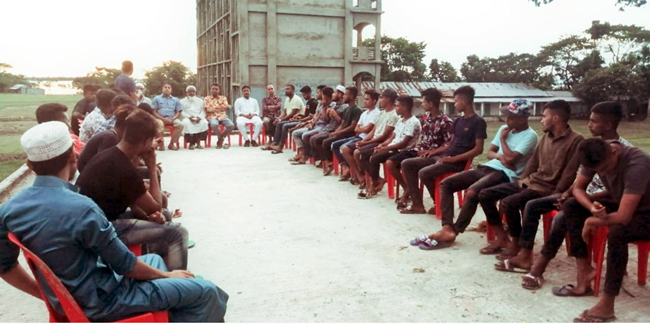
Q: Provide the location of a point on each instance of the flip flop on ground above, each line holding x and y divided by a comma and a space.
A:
491, 250
567, 291
410, 210
531, 282
177, 213
585, 317
418, 240
507, 266
430, 244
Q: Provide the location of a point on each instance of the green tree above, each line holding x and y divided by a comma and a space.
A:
511, 68
616, 82
102, 76
562, 57
618, 41
7, 80
620, 3
402, 59
175, 73
443, 71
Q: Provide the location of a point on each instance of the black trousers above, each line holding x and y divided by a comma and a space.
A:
475, 180
638, 229
532, 213
513, 200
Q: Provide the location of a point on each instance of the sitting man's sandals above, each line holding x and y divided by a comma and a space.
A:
531, 282
507, 266
567, 291
411, 210
430, 244
585, 317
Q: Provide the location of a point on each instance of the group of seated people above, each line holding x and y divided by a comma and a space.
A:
601, 181
83, 232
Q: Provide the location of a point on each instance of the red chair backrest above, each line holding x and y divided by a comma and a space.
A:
72, 310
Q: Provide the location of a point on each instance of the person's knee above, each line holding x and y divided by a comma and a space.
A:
571, 205
470, 195
509, 205
445, 185
485, 196
175, 234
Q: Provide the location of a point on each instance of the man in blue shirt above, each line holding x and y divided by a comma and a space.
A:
168, 109
124, 81
70, 233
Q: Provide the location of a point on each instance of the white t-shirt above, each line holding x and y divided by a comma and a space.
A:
294, 103
411, 127
385, 119
368, 117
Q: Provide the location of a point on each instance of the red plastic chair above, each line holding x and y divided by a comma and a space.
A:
73, 312
335, 164
221, 130
436, 198
597, 252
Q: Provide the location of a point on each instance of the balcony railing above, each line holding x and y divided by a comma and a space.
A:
365, 4
363, 54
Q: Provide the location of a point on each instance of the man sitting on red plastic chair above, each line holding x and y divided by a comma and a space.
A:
69, 232
624, 172
511, 148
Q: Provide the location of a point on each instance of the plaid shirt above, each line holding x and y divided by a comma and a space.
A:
91, 124
108, 125
271, 101
436, 132
215, 107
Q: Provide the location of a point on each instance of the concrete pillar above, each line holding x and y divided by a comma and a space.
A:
482, 109
534, 109
244, 44
359, 37
444, 109
272, 43
347, 57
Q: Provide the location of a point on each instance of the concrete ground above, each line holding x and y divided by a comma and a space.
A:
289, 245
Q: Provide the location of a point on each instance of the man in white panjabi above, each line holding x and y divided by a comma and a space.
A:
194, 123
247, 111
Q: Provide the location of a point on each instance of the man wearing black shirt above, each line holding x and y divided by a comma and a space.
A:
115, 184
84, 107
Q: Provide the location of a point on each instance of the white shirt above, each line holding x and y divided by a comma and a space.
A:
368, 117
192, 107
410, 127
245, 106
294, 103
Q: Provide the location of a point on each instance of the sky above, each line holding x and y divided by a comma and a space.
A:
71, 37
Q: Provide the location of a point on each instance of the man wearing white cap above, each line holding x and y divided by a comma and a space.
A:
194, 122
139, 95
69, 232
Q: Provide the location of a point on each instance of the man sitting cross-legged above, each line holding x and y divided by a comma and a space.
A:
511, 148
293, 108
468, 135
364, 149
405, 137
550, 170
603, 123
436, 127
115, 184
624, 172
70, 233
313, 125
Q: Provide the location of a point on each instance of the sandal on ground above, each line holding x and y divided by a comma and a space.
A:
567, 291
432, 210
328, 172
354, 182
585, 317
191, 244
265, 148
177, 213
418, 240
226, 146
410, 210
531, 282
344, 179
368, 195
507, 266
430, 244
504, 256
401, 205
167, 193
491, 250
276, 152
298, 163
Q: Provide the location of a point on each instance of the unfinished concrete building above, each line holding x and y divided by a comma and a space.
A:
302, 42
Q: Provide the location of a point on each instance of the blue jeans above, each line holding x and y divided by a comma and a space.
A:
336, 147
168, 240
228, 127
306, 138
188, 300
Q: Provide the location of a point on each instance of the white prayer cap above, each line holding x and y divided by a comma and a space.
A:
190, 87
139, 85
46, 141
340, 88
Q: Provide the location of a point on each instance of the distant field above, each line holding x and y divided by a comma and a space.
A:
18, 106
14, 106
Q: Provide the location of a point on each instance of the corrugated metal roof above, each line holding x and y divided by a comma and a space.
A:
18, 86
483, 89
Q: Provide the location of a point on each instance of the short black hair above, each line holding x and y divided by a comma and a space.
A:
305, 89
139, 127
612, 111
146, 108
121, 100
215, 85
321, 87
560, 108
90, 88
406, 101
127, 66
328, 92
374, 95
51, 112
593, 152
121, 113
433, 96
293, 87
53, 166
467, 92
354, 91
104, 97
245, 87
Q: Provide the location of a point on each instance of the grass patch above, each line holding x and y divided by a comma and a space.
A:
22, 105
9, 167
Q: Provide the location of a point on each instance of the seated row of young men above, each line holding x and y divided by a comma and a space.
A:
529, 176
115, 209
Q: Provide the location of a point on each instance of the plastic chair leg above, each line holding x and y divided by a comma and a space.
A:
644, 249
598, 241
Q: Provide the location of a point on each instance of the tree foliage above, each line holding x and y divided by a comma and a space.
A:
563, 56
402, 59
618, 41
102, 77
443, 71
511, 68
7, 80
175, 73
